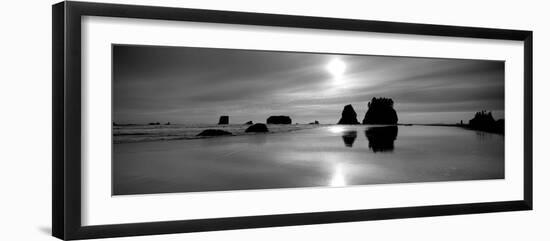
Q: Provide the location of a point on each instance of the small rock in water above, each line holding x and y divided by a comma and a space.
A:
214, 132
249, 123
258, 127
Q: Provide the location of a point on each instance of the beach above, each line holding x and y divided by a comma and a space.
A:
170, 159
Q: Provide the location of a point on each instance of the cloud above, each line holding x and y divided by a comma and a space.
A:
184, 85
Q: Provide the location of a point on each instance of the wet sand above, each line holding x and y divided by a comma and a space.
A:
325, 156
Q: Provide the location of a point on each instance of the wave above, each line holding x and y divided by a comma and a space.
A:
147, 133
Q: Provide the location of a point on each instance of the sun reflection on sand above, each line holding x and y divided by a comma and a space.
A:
338, 179
336, 129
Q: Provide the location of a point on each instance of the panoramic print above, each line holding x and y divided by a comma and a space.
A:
188, 119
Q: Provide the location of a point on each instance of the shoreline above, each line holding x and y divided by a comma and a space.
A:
467, 127
238, 130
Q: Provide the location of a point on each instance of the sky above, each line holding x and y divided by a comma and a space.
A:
188, 85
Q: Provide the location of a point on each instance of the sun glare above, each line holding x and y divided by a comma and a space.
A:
338, 179
336, 129
336, 68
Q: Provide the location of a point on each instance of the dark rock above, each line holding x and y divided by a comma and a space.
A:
154, 123
316, 122
484, 121
224, 120
249, 123
281, 119
381, 139
499, 123
380, 112
258, 127
167, 123
349, 116
214, 132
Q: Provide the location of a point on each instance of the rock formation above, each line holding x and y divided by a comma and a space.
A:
214, 132
258, 127
249, 123
482, 118
484, 121
380, 112
281, 119
224, 120
349, 117
316, 122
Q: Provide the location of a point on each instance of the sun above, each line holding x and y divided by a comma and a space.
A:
336, 68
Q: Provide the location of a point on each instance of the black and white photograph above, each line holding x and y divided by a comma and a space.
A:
192, 119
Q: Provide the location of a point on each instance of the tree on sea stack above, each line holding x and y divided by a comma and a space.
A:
349, 116
380, 112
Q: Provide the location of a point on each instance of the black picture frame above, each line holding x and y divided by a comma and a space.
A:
66, 159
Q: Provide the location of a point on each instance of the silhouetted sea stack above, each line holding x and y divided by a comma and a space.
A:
249, 123
380, 112
349, 117
484, 121
214, 132
224, 120
280, 119
258, 127
316, 122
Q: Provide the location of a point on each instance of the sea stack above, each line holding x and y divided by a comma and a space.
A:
224, 120
349, 116
280, 119
484, 121
380, 112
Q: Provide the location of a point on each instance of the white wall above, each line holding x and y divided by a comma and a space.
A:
25, 96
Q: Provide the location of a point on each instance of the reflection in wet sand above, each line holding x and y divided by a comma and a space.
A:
349, 137
312, 157
338, 177
381, 139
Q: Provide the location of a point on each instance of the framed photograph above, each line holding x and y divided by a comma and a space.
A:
169, 120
